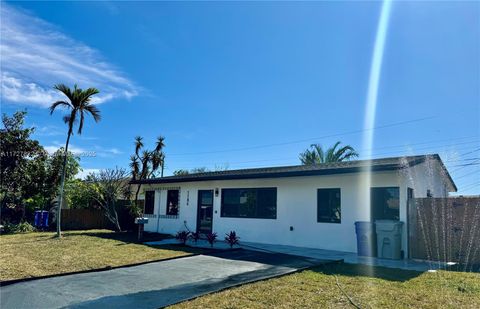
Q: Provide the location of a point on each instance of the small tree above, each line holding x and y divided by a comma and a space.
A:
18, 150
181, 172
145, 163
107, 187
198, 170
78, 194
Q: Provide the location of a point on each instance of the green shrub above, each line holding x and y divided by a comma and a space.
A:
23, 227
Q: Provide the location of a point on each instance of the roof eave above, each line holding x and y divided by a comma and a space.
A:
346, 170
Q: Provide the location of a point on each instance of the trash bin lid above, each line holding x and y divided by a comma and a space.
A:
364, 226
388, 225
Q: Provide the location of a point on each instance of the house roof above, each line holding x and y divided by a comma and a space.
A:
384, 164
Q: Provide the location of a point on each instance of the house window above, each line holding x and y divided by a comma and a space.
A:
329, 206
172, 202
149, 202
385, 203
249, 203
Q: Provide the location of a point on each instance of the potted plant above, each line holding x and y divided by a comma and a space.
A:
195, 236
182, 236
211, 238
232, 239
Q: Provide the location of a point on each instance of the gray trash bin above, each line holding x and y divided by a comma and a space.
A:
366, 240
389, 239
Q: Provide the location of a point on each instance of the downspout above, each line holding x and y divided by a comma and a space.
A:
158, 212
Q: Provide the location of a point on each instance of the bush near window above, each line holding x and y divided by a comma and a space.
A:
182, 236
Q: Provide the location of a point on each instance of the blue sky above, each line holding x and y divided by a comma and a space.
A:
249, 84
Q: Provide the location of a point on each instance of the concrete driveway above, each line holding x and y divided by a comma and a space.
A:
152, 285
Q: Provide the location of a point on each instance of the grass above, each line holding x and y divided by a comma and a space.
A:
41, 254
368, 287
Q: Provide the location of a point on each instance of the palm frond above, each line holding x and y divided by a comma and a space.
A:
156, 159
316, 154
82, 119
57, 104
138, 144
135, 167
87, 94
319, 153
66, 119
310, 156
160, 144
65, 90
346, 153
94, 111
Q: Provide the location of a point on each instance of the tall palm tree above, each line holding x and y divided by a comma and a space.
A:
316, 154
78, 105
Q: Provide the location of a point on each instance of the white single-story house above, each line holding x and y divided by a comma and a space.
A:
312, 206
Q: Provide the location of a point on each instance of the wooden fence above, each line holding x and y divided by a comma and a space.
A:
84, 219
445, 229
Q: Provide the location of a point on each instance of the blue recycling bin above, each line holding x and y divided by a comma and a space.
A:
366, 238
41, 219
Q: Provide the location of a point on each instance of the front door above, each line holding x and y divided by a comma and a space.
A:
205, 211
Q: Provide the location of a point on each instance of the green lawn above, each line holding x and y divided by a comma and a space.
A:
40, 254
368, 287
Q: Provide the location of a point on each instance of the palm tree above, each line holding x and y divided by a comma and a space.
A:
316, 154
145, 163
78, 105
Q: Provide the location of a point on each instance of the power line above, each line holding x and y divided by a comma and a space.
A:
306, 140
289, 161
470, 186
398, 152
478, 149
468, 174
428, 147
462, 166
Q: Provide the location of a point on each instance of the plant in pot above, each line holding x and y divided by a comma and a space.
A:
195, 236
211, 238
232, 239
182, 236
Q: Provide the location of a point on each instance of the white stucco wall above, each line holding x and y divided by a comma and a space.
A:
296, 207
428, 175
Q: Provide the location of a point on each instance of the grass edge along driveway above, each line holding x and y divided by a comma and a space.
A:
42, 254
368, 287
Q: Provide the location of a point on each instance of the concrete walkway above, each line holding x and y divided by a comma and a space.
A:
347, 257
152, 285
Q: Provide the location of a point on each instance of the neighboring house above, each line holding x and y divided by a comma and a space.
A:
308, 206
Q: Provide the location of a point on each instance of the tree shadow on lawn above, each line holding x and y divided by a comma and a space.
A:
359, 270
124, 236
329, 267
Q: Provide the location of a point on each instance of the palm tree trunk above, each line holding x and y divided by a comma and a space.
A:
62, 185
140, 226
136, 197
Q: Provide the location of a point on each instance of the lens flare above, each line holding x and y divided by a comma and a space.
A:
372, 100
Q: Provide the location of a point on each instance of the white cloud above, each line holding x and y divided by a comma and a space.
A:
84, 152
36, 55
85, 172
71, 148
49, 130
